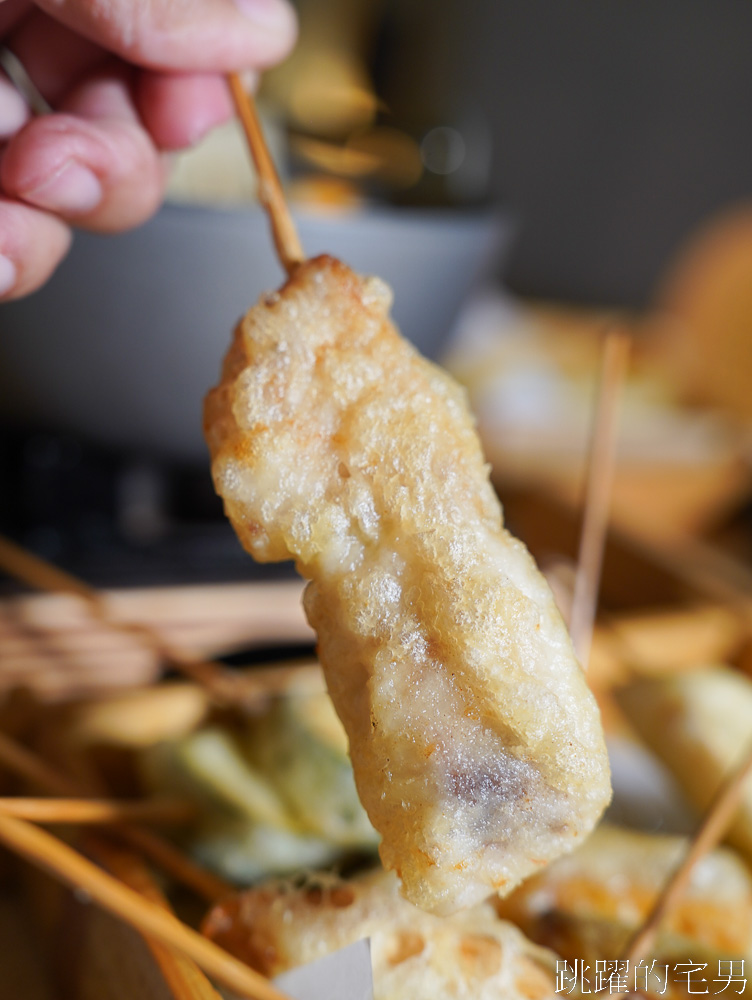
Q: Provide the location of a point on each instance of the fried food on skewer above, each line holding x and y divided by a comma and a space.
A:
699, 723
476, 744
588, 906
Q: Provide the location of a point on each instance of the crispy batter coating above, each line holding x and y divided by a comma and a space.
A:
588, 905
476, 744
416, 956
699, 722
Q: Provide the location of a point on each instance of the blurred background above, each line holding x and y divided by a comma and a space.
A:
527, 176
523, 173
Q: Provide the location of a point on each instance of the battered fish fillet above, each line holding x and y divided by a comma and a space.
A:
416, 956
476, 744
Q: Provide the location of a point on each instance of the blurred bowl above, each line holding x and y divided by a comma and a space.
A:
123, 342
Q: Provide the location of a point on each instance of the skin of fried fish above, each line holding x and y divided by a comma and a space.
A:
476, 744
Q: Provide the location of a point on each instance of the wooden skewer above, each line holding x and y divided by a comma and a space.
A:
601, 466
709, 833
98, 811
185, 981
270, 194
36, 572
67, 865
24, 565
28, 765
176, 863
183, 978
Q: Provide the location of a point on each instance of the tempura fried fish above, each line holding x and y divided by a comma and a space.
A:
476, 744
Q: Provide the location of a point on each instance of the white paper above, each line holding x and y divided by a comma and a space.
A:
343, 975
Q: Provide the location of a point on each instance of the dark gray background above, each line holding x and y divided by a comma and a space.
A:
617, 126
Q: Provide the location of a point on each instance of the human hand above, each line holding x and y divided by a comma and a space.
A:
127, 79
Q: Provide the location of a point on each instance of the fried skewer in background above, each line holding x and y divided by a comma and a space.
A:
476, 744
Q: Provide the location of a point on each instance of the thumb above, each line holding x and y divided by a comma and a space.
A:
196, 35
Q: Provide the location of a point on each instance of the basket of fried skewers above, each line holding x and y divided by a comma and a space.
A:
207, 831
262, 843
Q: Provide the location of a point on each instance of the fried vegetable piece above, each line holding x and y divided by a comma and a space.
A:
615, 878
416, 956
476, 744
275, 796
588, 905
700, 724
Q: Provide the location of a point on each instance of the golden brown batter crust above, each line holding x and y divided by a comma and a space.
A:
471, 956
476, 744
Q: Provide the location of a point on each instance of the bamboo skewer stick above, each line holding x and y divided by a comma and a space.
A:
709, 833
220, 682
176, 863
286, 240
185, 981
28, 765
98, 811
601, 466
67, 865
24, 565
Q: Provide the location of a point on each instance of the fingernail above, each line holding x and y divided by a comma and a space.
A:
8, 275
13, 111
73, 190
273, 14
